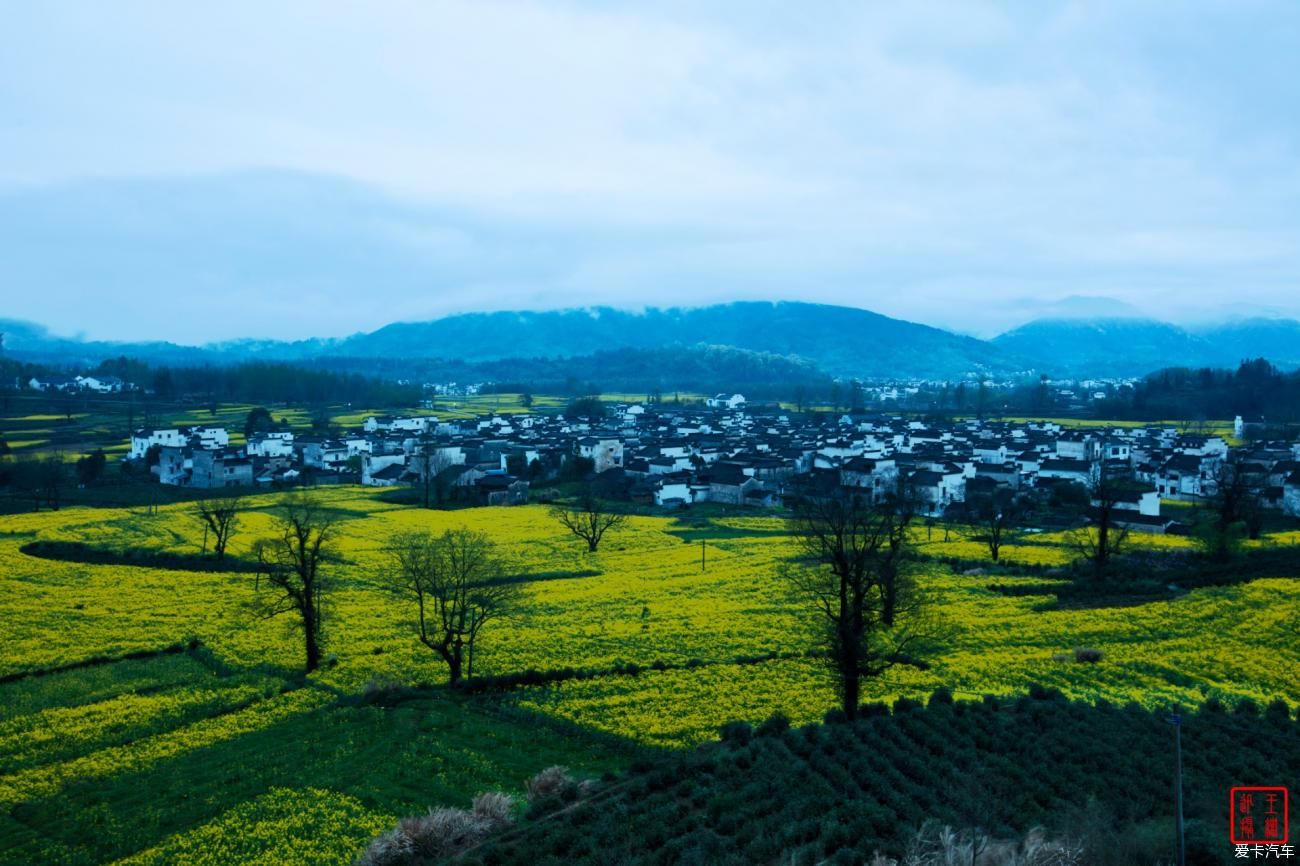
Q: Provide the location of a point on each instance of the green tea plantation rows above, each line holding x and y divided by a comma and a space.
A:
836, 793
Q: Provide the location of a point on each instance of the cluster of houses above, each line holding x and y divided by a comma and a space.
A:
71, 384
730, 453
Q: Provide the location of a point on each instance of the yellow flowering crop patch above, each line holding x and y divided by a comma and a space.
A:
309, 827
644, 597
45, 780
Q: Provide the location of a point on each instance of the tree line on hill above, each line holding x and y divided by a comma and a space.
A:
664, 369
1256, 389
262, 382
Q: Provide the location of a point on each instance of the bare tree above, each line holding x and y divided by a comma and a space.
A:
996, 515
454, 581
291, 562
851, 567
1234, 508
1101, 540
220, 519
588, 518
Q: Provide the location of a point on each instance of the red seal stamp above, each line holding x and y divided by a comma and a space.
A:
1259, 815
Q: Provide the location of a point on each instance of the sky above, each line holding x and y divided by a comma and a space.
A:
197, 172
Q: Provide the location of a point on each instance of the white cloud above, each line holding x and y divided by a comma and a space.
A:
919, 156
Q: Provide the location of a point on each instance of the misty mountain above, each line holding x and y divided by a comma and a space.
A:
833, 340
1128, 346
1111, 346
31, 342
1275, 339
840, 340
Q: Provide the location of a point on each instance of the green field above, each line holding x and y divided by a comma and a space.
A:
225, 742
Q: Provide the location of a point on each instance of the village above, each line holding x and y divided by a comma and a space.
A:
726, 451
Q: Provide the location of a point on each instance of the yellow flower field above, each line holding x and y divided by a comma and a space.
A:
642, 600
311, 827
650, 602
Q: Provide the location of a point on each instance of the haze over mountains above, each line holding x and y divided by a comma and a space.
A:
839, 341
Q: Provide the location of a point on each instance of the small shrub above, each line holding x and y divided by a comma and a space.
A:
941, 697
906, 705
494, 810
551, 782
1087, 655
737, 732
776, 724
1039, 692
390, 849
423, 838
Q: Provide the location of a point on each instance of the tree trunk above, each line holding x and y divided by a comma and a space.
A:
313, 645
453, 667
1103, 540
591, 545
851, 689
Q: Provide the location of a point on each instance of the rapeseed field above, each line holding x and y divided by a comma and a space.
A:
690, 631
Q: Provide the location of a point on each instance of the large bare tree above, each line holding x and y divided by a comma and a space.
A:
220, 519
1234, 509
851, 566
454, 582
290, 561
1103, 537
588, 518
995, 514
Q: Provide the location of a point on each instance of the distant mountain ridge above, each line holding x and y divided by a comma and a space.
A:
835, 340
840, 340
1134, 346
843, 341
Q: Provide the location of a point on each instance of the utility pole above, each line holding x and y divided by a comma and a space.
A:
1177, 721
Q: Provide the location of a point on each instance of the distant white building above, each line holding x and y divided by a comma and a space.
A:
210, 437
1291, 495
275, 444
143, 440
604, 453
52, 383
383, 470
100, 384
417, 424
676, 491
723, 401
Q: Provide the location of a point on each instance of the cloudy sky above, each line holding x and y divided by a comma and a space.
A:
207, 171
